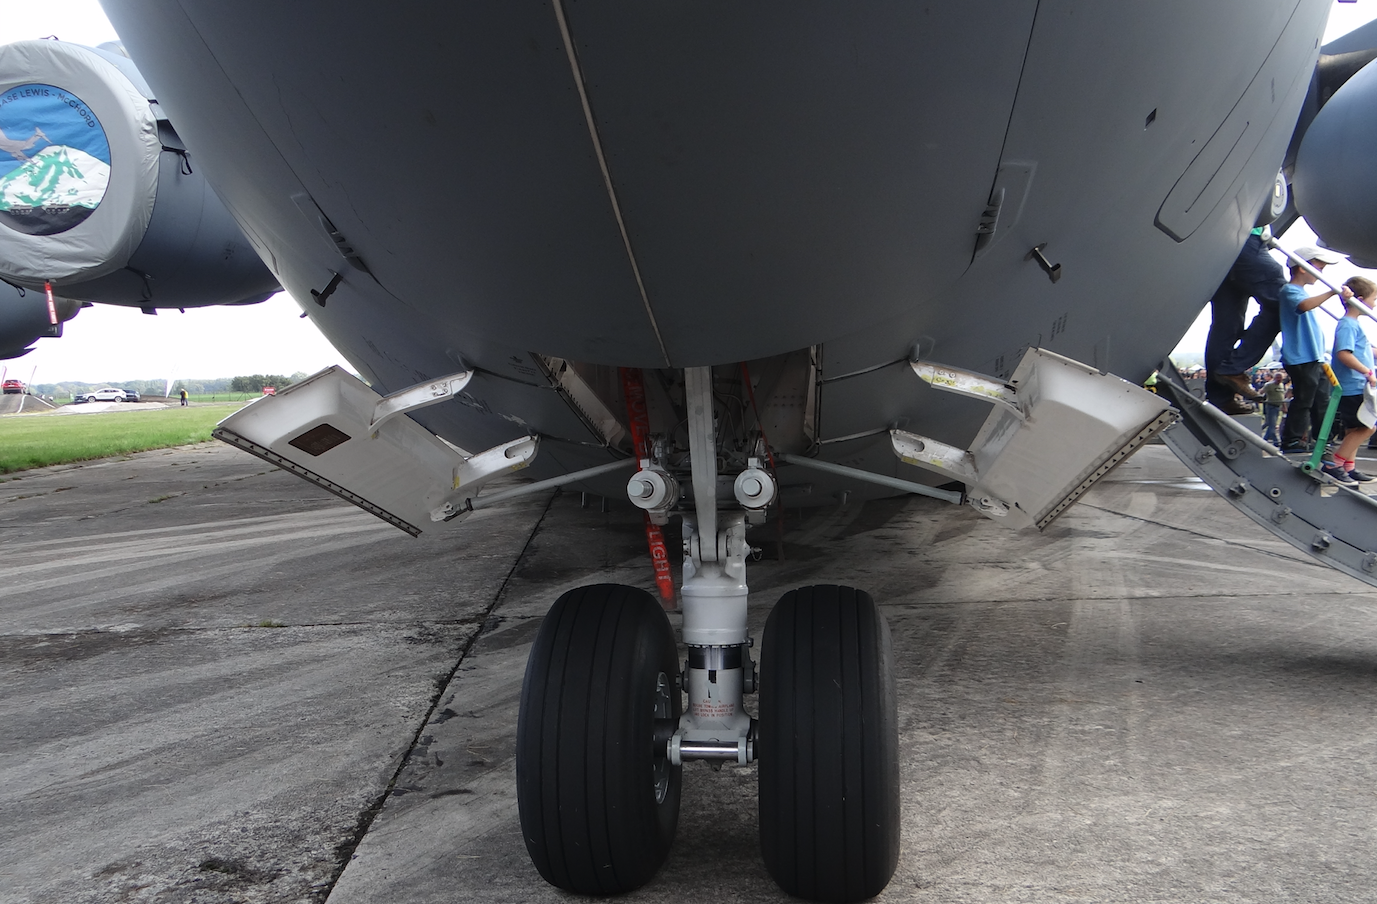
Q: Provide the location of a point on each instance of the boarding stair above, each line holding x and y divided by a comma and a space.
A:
1333, 523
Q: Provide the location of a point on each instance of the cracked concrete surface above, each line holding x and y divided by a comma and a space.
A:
212, 672
1153, 701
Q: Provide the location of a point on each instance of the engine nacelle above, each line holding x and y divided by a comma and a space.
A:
98, 195
1335, 180
26, 317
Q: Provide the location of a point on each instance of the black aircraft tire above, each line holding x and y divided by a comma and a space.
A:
598, 806
828, 746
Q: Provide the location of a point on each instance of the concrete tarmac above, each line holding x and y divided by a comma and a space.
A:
221, 684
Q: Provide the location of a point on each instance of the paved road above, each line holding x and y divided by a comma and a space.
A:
21, 402
1152, 701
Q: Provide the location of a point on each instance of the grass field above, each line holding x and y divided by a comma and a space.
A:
221, 397
40, 440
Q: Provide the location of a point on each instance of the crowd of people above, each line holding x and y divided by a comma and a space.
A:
1271, 390
1294, 397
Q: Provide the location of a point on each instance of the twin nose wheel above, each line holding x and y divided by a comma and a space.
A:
599, 805
599, 801
829, 746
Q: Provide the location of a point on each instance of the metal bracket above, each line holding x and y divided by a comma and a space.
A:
478, 469
925, 452
968, 383
323, 295
419, 396
1052, 270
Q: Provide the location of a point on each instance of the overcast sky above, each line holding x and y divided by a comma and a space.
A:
1343, 18
111, 344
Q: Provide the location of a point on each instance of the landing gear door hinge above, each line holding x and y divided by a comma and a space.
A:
333, 430
419, 396
924, 452
968, 383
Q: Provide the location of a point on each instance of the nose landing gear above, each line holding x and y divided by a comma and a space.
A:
601, 735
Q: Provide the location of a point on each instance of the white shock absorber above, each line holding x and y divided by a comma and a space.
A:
715, 592
716, 725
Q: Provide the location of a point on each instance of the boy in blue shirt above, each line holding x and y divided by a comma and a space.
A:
1353, 367
1302, 344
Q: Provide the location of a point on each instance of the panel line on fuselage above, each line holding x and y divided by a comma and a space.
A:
1008, 128
577, 72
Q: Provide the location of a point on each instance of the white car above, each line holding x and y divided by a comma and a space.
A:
107, 394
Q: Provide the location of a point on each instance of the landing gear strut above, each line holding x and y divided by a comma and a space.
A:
601, 738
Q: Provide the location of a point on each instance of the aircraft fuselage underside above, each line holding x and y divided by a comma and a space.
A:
841, 248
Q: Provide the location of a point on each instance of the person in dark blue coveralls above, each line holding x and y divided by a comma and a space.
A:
1254, 274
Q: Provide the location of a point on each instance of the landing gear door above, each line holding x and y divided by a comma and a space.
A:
323, 430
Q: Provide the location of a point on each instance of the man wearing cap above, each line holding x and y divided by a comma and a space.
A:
1302, 343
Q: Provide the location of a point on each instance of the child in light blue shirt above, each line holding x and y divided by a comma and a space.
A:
1302, 345
1353, 368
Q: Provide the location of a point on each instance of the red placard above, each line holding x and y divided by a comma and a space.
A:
638, 417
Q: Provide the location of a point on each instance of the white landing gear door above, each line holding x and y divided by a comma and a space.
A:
1056, 428
334, 431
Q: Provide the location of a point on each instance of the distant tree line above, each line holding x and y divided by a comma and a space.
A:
252, 385
256, 382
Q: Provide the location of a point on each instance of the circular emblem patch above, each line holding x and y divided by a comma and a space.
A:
54, 160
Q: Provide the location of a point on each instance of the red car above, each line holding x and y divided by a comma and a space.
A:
14, 386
